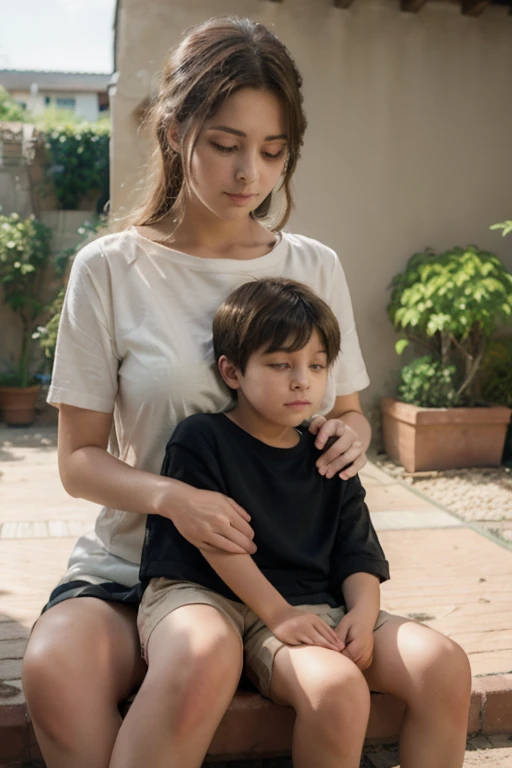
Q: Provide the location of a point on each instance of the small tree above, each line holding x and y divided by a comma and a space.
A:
24, 260
10, 110
452, 303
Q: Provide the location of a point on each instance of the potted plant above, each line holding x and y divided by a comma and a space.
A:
25, 248
450, 305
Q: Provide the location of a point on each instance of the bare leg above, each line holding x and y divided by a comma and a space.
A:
332, 702
194, 665
431, 674
82, 659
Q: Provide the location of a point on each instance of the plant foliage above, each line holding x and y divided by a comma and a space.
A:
24, 261
428, 383
47, 334
78, 161
451, 304
10, 110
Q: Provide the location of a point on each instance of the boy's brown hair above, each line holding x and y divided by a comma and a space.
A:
274, 313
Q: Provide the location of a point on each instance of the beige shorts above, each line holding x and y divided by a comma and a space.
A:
260, 646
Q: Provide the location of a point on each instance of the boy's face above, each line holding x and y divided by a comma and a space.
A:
285, 388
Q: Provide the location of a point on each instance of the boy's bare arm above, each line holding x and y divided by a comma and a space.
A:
362, 598
288, 624
362, 593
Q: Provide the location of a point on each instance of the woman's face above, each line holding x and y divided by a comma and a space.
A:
240, 154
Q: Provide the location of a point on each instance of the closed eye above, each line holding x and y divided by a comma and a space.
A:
274, 157
221, 148
233, 148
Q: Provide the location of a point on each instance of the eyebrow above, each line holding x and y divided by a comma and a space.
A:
321, 351
244, 135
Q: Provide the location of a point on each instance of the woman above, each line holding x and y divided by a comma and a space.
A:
134, 358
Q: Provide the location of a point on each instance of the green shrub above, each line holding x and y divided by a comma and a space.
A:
24, 261
47, 334
10, 110
78, 162
428, 383
495, 377
452, 304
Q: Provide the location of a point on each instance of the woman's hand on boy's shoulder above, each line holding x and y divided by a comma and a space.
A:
343, 453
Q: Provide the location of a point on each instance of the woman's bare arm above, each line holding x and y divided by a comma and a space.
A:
88, 471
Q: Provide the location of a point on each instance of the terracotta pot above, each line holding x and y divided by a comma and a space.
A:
443, 438
18, 405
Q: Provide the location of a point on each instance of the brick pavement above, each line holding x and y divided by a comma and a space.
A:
443, 573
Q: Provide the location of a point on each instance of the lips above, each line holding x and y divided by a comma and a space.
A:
239, 199
298, 403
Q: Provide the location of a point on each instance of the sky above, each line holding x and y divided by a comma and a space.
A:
57, 35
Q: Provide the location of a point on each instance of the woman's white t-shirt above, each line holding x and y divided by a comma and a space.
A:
135, 339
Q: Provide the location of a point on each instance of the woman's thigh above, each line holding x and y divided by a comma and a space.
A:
84, 642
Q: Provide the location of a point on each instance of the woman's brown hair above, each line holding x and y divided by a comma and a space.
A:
214, 60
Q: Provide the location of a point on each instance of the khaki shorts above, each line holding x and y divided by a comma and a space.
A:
260, 646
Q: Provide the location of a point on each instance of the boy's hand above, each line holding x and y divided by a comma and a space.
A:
356, 633
343, 455
295, 627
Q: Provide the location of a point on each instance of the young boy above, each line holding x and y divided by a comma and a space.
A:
306, 604
275, 342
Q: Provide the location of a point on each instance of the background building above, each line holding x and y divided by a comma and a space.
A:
83, 93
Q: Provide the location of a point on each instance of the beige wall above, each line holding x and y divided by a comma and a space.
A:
408, 145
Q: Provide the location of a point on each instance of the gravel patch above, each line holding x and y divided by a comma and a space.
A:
479, 495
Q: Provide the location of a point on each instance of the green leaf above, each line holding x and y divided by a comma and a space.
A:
400, 345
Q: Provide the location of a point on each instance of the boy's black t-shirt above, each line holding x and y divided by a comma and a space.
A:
311, 532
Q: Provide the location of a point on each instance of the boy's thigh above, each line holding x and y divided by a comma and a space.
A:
262, 647
188, 615
312, 676
405, 652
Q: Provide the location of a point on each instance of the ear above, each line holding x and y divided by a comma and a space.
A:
173, 137
229, 372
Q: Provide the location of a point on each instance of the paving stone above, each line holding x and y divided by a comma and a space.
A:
10, 669
396, 498
12, 630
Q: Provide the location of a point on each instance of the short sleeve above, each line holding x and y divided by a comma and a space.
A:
357, 548
349, 371
86, 361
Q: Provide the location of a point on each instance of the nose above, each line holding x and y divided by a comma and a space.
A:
247, 170
300, 379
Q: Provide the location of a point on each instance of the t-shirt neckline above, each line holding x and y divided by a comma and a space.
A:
259, 445
212, 265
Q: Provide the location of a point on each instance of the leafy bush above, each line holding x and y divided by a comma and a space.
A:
451, 304
496, 372
47, 334
10, 110
428, 383
24, 261
78, 161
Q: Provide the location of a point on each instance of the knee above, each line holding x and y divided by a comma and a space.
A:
204, 676
339, 702
446, 677
50, 688
63, 683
